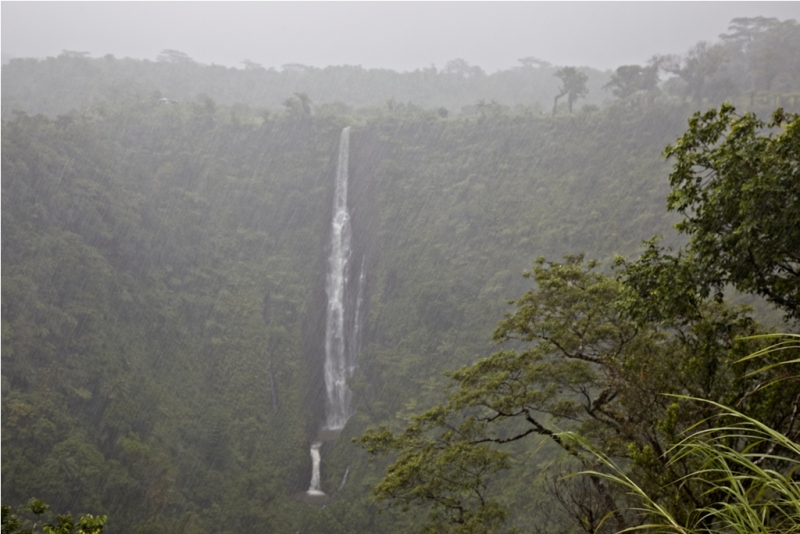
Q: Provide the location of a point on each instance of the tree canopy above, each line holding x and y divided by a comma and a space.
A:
627, 80
735, 181
595, 353
573, 84
63, 523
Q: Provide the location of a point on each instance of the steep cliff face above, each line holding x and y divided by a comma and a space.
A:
447, 214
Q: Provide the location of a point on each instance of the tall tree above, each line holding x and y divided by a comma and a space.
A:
762, 46
573, 84
462, 69
630, 79
584, 364
701, 70
735, 180
299, 105
174, 56
533, 62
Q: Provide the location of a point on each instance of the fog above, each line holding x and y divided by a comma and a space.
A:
396, 35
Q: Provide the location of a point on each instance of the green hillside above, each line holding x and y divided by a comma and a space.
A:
164, 263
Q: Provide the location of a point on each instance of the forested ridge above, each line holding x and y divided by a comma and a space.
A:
163, 262
341, 88
754, 59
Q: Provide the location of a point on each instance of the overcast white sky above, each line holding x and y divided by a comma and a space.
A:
396, 35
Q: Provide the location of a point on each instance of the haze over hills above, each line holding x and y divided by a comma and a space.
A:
167, 237
399, 36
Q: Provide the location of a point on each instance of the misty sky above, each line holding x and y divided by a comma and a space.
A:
397, 35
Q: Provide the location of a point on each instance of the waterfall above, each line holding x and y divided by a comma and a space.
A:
344, 478
336, 364
313, 488
342, 322
358, 319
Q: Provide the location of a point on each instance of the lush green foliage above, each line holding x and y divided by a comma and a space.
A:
64, 524
160, 264
162, 267
736, 185
154, 290
756, 485
585, 366
740, 196
599, 353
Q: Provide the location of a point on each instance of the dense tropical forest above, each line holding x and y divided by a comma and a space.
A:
165, 242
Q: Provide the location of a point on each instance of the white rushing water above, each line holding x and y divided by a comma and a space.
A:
336, 365
313, 488
358, 319
344, 478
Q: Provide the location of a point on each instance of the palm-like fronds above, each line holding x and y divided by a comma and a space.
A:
755, 484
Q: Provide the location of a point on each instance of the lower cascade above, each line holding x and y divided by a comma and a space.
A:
313, 488
342, 321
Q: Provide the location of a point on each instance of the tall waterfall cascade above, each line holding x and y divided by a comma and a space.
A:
343, 316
